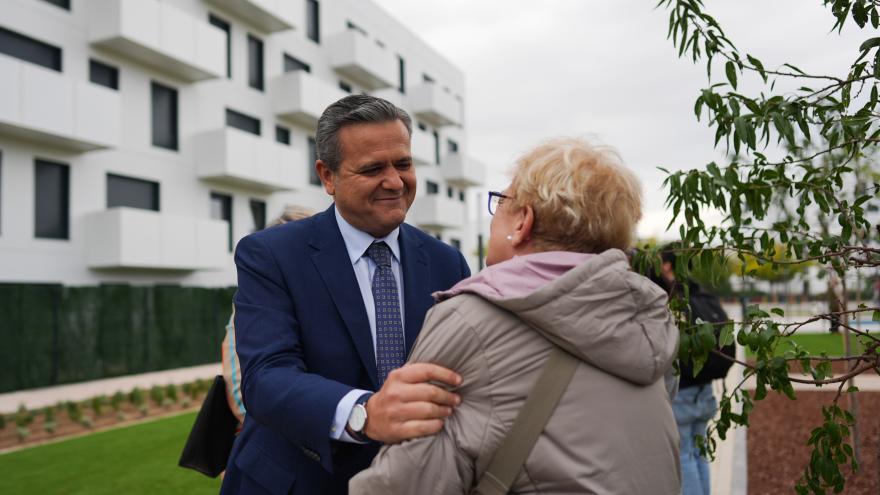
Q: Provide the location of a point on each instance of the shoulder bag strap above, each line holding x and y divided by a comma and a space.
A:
530, 422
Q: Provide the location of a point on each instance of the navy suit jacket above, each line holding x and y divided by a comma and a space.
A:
304, 341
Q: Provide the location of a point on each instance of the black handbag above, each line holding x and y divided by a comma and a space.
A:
210, 441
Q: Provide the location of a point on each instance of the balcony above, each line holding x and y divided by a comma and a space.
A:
159, 35
436, 212
360, 59
236, 158
463, 171
301, 97
52, 108
130, 238
423, 147
268, 15
434, 105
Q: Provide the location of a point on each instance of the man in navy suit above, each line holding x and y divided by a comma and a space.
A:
326, 311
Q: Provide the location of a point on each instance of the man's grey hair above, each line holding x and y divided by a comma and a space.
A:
352, 110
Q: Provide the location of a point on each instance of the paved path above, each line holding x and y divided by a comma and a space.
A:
42, 397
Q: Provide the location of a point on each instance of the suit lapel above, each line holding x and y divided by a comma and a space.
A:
416, 284
331, 259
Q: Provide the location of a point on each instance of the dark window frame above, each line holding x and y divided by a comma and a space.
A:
223, 24
31, 50
313, 21
225, 212
124, 199
344, 86
243, 122
45, 227
432, 187
401, 75
293, 64
171, 141
61, 4
256, 65
258, 213
282, 135
436, 135
312, 155
103, 74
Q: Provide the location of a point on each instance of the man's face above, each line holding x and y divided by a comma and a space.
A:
376, 181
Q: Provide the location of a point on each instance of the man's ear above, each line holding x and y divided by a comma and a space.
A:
525, 221
326, 175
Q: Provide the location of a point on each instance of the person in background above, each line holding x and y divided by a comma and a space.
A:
558, 278
231, 367
694, 405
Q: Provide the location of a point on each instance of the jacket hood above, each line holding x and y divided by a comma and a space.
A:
593, 306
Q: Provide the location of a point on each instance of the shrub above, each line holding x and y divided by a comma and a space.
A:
185, 402
49, 414
144, 409
22, 432
136, 397
74, 412
187, 389
97, 404
199, 386
87, 421
157, 393
116, 401
2, 421
171, 392
23, 418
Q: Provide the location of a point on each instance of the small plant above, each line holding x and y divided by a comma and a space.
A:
167, 403
87, 421
49, 423
121, 416
23, 418
157, 394
186, 388
136, 397
199, 386
171, 392
74, 412
23, 433
144, 409
185, 402
116, 401
97, 403
2, 421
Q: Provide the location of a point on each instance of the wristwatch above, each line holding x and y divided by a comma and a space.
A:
357, 420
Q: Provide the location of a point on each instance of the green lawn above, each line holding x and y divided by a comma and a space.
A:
136, 459
815, 343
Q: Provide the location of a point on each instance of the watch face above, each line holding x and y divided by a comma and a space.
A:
358, 418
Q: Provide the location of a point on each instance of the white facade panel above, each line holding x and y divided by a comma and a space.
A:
362, 60
301, 97
422, 145
159, 35
436, 212
433, 104
47, 106
268, 15
463, 171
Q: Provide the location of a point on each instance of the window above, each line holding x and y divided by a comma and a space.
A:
401, 75
103, 74
258, 214
422, 126
432, 187
282, 135
64, 4
255, 63
449, 191
164, 101
220, 23
293, 64
30, 50
52, 200
221, 209
436, 147
313, 19
134, 193
355, 27
242, 122
345, 86
427, 78
452, 146
461, 196
1, 184
313, 157
455, 243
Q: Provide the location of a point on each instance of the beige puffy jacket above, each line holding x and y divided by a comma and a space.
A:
613, 431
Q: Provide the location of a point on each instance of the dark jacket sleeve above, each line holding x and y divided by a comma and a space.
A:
277, 390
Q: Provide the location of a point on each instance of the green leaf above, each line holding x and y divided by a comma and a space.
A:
730, 69
777, 311
876, 315
869, 43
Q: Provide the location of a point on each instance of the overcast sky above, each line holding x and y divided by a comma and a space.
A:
604, 68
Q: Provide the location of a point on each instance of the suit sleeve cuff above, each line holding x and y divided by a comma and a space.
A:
343, 411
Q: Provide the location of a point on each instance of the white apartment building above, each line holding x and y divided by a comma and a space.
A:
140, 139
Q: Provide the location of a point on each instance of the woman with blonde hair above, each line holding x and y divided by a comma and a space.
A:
558, 281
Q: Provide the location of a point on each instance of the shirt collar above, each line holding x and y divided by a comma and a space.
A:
357, 241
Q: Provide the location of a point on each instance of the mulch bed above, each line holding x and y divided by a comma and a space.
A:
778, 433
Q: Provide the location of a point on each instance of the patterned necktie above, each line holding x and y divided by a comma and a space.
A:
390, 349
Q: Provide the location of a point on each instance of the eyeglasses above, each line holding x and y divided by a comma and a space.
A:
495, 199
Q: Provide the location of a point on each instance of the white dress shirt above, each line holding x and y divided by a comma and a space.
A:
356, 243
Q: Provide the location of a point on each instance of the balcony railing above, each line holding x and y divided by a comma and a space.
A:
268, 15
301, 97
434, 105
237, 158
463, 171
129, 238
436, 212
360, 59
53, 108
160, 35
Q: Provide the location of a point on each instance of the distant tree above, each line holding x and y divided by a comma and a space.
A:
796, 151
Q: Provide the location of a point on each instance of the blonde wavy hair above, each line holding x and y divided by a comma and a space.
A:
584, 198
